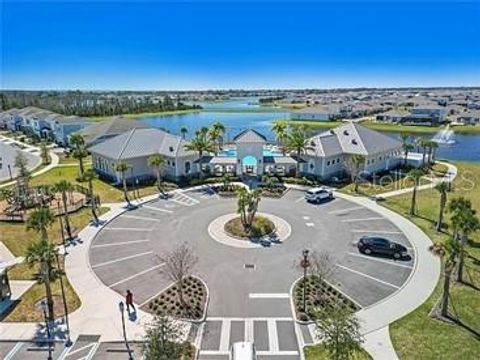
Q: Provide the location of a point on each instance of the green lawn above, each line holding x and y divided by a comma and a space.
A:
417, 336
68, 160
411, 129
107, 192
319, 352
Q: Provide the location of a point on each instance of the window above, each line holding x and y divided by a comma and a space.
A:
173, 163
187, 167
328, 163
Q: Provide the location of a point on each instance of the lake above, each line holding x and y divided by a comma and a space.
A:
467, 147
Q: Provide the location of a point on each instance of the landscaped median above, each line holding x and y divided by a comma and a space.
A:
417, 335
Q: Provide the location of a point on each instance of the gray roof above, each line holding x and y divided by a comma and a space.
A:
140, 143
250, 136
325, 144
357, 139
109, 128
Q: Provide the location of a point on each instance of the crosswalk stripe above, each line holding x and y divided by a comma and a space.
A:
225, 335
272, 335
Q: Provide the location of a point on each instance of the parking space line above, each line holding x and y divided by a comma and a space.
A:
346, 210
364, 219
300, 199
380, 260
310, 224
376, 232
225, 335
269, 296
272, 335
139, 217
368, 276
136, 275
13, 351
119, 243
121, 259
125, 229
157, 209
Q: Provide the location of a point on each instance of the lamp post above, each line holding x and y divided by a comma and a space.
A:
305, 263
10, 171
60, 219
121, 307
65, 307
43, 306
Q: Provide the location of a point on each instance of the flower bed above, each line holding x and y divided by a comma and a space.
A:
261, 226
274, 192
227, 190
319, 294
168, 302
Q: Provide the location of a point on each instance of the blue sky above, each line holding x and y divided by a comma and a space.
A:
198, 45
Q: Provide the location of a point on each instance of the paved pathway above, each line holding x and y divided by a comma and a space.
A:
53, 163
449, 177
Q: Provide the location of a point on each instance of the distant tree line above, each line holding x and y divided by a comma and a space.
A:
93, 103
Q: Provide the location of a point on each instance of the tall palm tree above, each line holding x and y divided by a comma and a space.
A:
280, 130
42, 252
449, 252
63, 187
79, 150
90, 175
415, 175
156, 162
217, 132
407, 147
424, 145
297, 142
122, 168
442, 189
200, 144
431, 151
184, 131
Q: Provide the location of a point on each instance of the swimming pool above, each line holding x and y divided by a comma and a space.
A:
233, 152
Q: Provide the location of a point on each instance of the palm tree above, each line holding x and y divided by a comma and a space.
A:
353, 165
216, 134
424, 145
42, 252
449, 252
156, 162
79, 151
415, 175
431, 153
297, 142
280, 130
442, 188
201, 144
184, 131
89, 176
407, 147
122, 168
63, 187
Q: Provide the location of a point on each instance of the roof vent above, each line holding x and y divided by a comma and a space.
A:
332, 132
354, 142
170, 148
345, 132
312, 143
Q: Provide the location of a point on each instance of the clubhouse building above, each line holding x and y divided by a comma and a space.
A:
250, 154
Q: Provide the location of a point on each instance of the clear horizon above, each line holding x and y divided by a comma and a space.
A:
106, 46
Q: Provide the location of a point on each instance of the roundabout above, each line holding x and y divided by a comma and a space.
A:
249, 286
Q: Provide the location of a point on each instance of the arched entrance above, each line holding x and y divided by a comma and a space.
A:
249, 165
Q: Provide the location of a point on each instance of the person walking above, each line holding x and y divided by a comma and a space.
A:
129, 301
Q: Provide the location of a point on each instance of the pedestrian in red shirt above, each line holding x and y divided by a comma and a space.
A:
129, 301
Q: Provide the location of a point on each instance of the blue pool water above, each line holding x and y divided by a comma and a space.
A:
233, 153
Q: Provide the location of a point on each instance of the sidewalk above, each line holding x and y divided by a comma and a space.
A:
449, 177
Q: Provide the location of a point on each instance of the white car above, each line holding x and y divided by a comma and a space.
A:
318, 194
243, 350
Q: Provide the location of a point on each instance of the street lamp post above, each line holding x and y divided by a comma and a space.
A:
305, 264
121, 307
10, 171
43, 305
65, 307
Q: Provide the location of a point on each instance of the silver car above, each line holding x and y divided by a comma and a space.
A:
318, 194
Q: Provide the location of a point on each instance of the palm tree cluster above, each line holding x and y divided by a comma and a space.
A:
247, 206
428, 147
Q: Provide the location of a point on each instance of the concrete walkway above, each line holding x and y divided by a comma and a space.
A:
449, 177
54, 161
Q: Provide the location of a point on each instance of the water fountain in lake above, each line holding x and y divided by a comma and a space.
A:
445, 136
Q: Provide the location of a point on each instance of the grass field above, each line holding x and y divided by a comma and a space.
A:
411, 129
417, 336
318, 352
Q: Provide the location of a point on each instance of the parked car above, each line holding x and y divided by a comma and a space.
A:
376, 245
243, 350
318, 194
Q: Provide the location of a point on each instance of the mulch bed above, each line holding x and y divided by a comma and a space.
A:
168, 303
319, 294
261, 227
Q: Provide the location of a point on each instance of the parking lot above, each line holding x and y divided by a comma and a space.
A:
249, 288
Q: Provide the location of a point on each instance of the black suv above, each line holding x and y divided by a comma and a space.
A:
371, 244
